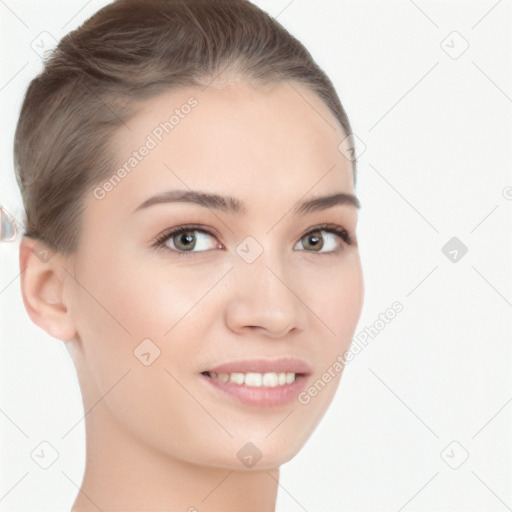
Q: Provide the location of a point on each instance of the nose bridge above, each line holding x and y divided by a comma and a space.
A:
261, 262
264, 293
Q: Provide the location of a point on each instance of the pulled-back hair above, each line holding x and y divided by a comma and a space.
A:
127, 52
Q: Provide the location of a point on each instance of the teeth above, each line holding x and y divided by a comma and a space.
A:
252, 379
270, 379
237, 378
290, 377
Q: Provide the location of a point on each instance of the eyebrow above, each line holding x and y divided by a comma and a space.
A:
235, 206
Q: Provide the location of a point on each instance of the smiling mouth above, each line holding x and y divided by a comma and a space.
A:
255, 379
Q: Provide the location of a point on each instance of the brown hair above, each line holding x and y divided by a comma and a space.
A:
127, 52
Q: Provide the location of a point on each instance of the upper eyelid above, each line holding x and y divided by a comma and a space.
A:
184, 227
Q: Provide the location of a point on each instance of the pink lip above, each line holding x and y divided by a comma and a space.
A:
261, 396
283, 364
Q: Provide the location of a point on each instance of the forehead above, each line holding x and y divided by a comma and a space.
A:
247, 140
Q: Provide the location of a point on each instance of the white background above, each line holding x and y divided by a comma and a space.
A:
436, 135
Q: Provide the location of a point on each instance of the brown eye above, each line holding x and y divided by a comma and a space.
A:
187, 240
326, 239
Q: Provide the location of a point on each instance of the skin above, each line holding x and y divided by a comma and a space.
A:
157, 437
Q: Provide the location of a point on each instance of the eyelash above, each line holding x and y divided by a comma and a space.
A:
159, 242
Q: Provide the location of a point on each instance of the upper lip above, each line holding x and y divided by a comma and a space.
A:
283, 364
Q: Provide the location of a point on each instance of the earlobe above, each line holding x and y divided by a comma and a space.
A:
42, 288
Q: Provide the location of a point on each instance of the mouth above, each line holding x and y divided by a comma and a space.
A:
260, 382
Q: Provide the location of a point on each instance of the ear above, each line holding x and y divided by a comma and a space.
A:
42, 288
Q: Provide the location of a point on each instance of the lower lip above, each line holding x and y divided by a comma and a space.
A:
259, 396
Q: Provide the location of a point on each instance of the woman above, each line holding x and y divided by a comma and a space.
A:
188, 179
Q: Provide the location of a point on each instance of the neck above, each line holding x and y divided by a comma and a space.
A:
123, 473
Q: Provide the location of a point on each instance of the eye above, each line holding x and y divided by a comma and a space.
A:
315, 241
184, 239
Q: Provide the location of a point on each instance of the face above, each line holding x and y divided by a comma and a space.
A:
255, 289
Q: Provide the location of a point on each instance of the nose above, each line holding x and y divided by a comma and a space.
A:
262, 298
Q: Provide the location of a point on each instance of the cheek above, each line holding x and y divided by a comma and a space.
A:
117, 307
134, 372
131, 300
336, 297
